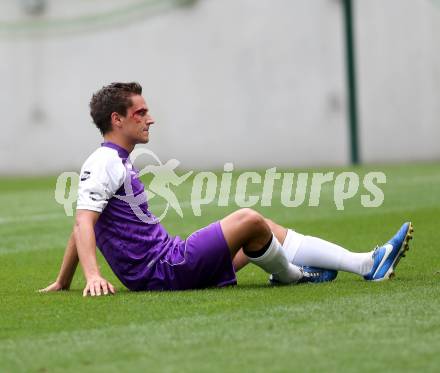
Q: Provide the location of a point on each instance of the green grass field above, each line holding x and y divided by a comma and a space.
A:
347, 325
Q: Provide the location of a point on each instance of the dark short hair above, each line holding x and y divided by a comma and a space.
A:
115, 97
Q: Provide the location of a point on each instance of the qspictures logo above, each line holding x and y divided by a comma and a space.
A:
291, 189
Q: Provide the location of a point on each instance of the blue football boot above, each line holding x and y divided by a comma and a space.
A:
316, 275
387, 257
311, 274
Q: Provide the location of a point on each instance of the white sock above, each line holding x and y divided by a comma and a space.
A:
275, 261
291, 243
311, 251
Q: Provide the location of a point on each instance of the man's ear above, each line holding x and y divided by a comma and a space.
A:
116, 119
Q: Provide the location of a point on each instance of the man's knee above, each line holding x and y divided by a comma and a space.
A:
270, 223
252, 220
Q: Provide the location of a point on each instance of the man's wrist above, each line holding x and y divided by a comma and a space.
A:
63, 283
92, 275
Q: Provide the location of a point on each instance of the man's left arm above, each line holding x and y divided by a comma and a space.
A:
86, 245
67, 270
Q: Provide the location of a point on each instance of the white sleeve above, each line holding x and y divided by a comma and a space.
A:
101, 176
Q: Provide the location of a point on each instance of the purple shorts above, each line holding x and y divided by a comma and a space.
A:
202, 260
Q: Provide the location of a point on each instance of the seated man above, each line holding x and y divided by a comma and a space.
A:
145, 257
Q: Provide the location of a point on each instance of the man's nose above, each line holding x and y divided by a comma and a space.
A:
150, 120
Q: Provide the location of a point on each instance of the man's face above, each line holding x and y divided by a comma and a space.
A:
136, 124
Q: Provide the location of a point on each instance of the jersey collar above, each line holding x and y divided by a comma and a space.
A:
123, 153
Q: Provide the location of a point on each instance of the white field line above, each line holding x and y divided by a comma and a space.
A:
25, 249
423, 179
57, 215
295, 220
30, 218
153, 206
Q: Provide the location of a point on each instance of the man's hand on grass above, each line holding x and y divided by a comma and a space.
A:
97, 286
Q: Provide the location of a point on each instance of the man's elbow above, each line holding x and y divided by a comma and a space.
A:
84, 220
79, 225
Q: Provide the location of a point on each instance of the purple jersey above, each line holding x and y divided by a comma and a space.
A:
137, 247
129, 245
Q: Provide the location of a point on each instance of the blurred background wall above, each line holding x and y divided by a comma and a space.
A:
254, 82
398, 45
